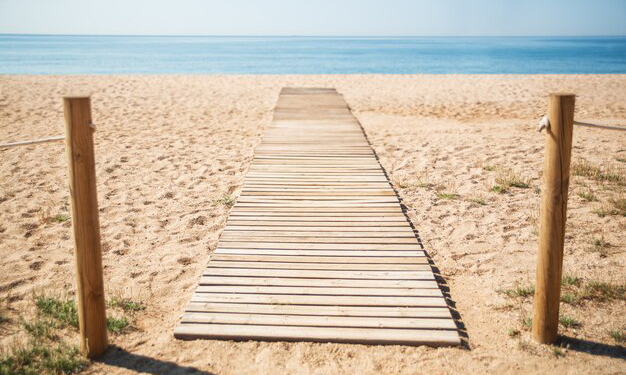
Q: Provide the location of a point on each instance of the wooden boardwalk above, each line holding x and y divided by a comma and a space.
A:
317, 247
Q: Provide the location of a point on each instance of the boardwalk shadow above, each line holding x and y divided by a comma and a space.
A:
121, 358
443, 285
592, 347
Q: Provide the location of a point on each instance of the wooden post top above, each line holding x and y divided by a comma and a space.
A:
561, 94
77, 96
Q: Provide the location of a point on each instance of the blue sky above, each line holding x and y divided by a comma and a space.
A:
321, 17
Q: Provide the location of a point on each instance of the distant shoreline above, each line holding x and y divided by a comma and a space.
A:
317, 36
297, 55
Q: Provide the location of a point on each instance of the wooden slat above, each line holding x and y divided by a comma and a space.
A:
289, 299
321, 259
321, 266
318, 321
250, 231
351, 311
334, 291
322, 252
304, 282
317, 274
317, 246
237, 237
320, 334
360, 230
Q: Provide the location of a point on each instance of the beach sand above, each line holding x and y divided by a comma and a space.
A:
170, 148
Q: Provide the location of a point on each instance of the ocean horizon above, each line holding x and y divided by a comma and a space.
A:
126, 54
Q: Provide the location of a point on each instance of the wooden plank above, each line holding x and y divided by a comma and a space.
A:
291, 299
320, 291
321, 266
317, 246
326, 234
318, 252
319, 226
321, 259
317, 216
350, 311
318, 321
228, 238
304, 282
320, 274
319, 334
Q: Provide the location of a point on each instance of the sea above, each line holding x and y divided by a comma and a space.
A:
63, 54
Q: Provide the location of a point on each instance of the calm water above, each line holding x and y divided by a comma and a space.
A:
29, 54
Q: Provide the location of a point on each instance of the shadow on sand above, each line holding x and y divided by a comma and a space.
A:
121, 358
592, 347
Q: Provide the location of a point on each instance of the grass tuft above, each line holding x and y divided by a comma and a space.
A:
618, 335
479, 201
528, 322
499, 189
569, 322
571, 299
61, 218
570, 280
557, 352
44, 351
508, 178
65, 314
63, 311
518, 291
605, 173
526, 346
512, 332
126, 304
444, 195
41, 328
4, 316
600, 245
588, 195
42, 357
117, 325
227, 200
603, 291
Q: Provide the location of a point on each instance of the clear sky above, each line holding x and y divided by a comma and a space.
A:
315, 17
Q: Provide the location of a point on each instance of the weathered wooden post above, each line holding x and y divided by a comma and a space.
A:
553, 215
86, 226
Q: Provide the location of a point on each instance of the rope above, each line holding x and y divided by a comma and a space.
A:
599, 126
32, 142
41, 140
544, 123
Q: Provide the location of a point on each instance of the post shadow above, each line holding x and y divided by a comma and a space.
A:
119, 357
592, 347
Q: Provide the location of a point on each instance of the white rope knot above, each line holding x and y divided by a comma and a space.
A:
544, 123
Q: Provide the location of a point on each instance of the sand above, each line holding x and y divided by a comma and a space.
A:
170, 147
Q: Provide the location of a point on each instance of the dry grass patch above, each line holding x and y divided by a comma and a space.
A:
227, 200
605, 173
446, 191
509, 178
615, 206
518, 291
46, 351
587, 195
619, 335
506, 178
